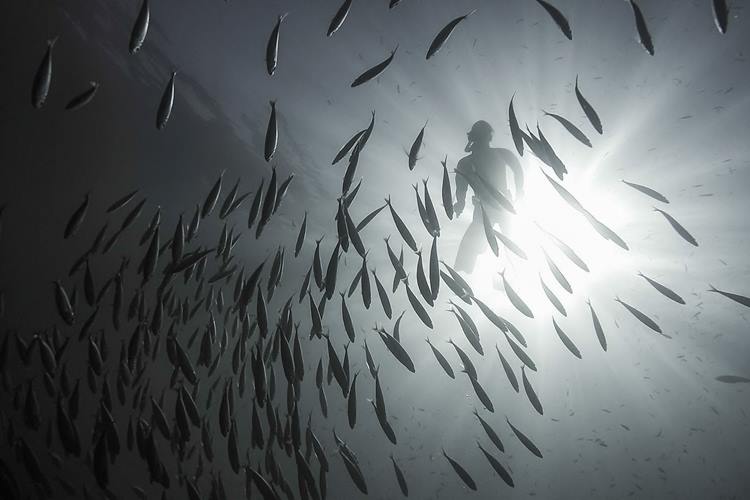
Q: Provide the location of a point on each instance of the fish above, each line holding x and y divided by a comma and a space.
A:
351, 170
469, 368
565, 195
121, 202
395, 347
43, 77
341, 228
514, 298
347, 319
384, 424
415, 147
566, 340
465, 477
140, 28
397, 326
460, 282
446, 194
721, 15
83, 98
643, 34
678, 227
165, 105
422, 285
213, 195
508, 370
369, 217
383, 295
604, 231
229, 200
441, 360
421, 209
647, 191
255, 207
339, 17
489, 233
552, 297
375, 71
402, 228
515, 130
481, 393
331, 272
588, 109
444, 34
269, 201
732, 379
547, 154
572, 129
740, 299
400, 478
489, 431
417, 306
352, 467
266, 490
272, 134
558, 17
528, 443
432, 218
640, 316
348, 146
272, 47
559, 276
434, 272
365, 283
64, 308
667, 292
530, 393
76, 219
510, 244
497, 466
468, 326
597, 327
352, 402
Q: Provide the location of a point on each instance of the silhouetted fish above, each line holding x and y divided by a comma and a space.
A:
375, 71
558, 17
643, 34
444, 34
140, 28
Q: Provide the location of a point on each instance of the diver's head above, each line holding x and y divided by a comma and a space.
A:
479, 136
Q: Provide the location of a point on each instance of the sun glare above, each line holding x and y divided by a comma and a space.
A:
542, 215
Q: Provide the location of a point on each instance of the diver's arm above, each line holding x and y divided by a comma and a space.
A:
515, 166
461, 186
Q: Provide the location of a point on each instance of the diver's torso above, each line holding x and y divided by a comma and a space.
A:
490, 165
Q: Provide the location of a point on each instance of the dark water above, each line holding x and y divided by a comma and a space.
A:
645, 419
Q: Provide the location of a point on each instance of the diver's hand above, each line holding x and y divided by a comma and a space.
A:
458, 208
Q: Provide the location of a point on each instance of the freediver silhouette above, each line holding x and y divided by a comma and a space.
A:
483, 165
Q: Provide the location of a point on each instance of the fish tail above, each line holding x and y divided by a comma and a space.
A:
52, 41
712, 288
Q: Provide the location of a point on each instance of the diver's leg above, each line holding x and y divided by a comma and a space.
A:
472, 244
